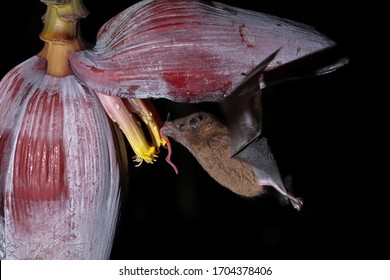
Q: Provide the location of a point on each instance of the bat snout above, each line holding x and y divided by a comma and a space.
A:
168, 129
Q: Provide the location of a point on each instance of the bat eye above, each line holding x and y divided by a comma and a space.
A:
196, 120
181, 125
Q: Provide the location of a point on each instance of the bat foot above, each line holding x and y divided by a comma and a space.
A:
296, 202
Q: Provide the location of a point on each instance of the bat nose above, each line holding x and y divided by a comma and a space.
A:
167, 129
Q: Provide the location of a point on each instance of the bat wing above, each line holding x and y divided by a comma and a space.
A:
188, 51
310, 65
242, 111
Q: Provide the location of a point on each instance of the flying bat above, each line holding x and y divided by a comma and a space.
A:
235, 154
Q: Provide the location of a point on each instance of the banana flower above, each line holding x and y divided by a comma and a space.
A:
63, 162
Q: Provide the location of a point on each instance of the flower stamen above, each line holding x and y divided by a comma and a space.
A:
145, 110
126, 113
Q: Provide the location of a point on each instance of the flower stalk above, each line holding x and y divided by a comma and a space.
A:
61, 34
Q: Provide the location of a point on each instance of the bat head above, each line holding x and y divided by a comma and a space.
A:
192, 129
187, 129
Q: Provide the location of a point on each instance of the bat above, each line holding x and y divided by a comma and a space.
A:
246, 141
236, 155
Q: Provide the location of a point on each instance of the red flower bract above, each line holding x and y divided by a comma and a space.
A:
188, 51
59, 167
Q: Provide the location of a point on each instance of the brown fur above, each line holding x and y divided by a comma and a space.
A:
207, 139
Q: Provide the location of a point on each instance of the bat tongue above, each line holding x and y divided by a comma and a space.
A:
258, 154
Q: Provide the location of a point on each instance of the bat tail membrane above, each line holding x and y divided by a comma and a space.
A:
266, 169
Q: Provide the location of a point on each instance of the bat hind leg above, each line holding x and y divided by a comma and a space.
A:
296, 202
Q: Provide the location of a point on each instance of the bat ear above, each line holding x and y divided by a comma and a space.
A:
194, 121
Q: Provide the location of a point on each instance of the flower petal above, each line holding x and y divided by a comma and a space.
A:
188, 51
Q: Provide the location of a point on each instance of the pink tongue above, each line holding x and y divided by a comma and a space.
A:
168, 158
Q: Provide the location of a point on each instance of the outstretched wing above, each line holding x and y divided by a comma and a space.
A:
189, 51
242, 111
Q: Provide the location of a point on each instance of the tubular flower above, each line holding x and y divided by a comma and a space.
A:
126, 113
62, 157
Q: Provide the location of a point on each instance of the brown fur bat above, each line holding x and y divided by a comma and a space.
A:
236, 155
208, 140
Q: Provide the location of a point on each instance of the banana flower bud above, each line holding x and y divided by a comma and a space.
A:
62, 159
60, 167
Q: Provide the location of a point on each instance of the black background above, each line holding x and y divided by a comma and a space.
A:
317, 130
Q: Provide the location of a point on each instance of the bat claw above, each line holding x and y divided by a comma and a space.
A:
295, 201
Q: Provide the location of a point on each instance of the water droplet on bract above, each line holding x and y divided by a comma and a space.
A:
117, 106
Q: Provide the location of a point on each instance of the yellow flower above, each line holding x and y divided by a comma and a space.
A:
128, 113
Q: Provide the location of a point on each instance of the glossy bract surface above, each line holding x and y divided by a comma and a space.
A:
59, 167
188, 51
